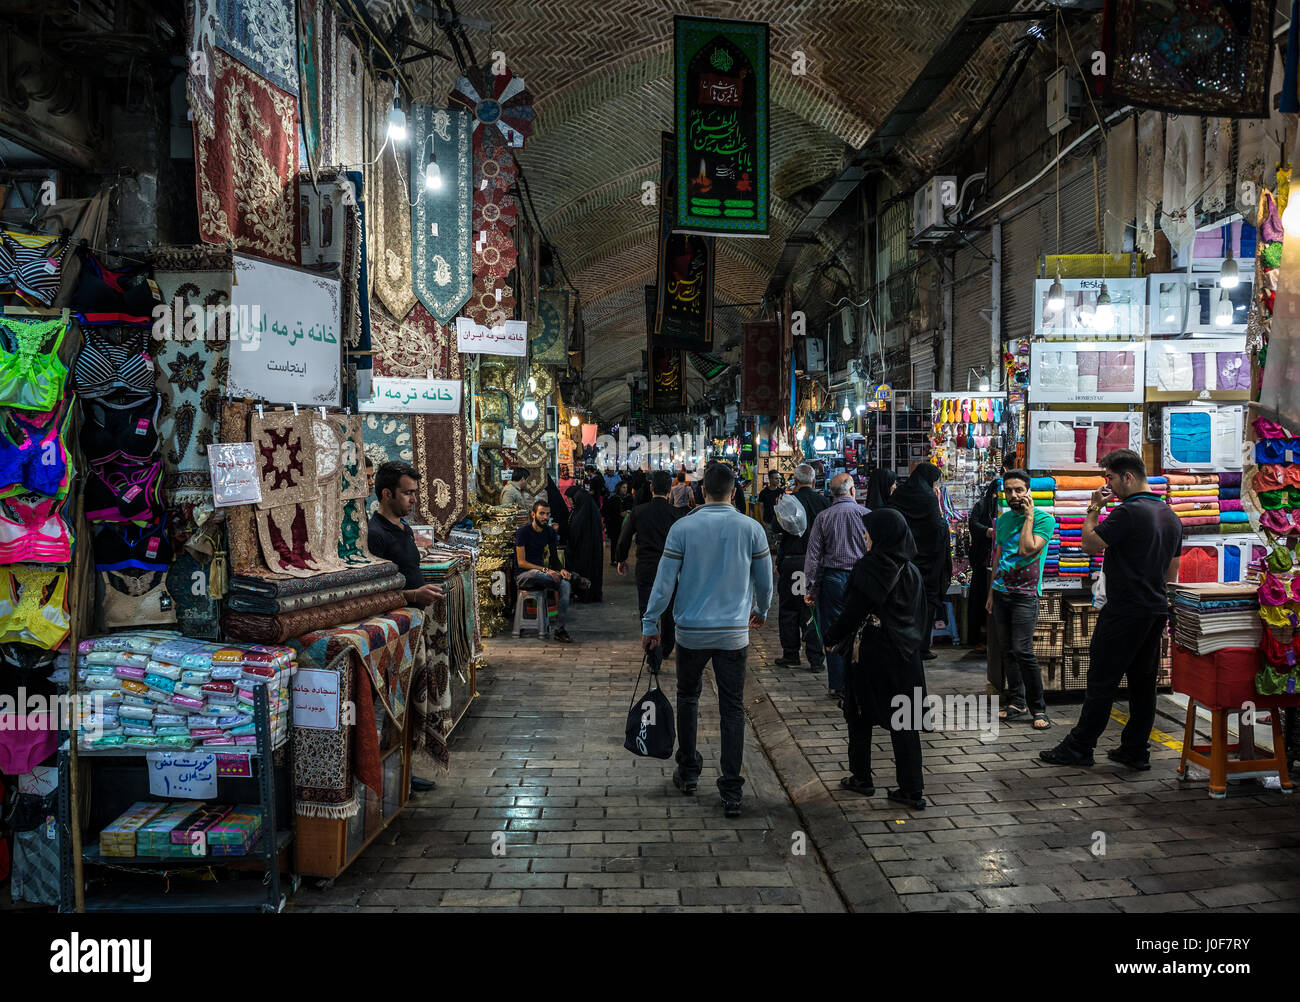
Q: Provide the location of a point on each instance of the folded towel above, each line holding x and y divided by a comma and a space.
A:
1042, 494
1233, 517
1079, 483
1192, 478
1229, 479
1230, 492
1226, 505
1042, 484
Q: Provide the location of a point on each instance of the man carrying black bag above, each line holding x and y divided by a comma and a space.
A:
650, 729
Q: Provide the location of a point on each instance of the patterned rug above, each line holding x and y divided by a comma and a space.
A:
391, 267
345, 148
280, 627
761, 393
310, 82
442, 458
550, 344
245, 553
443, 269
273, 590
193, 368
247, 601
324, 761
414, 347
360, 339
247, 170
388, 437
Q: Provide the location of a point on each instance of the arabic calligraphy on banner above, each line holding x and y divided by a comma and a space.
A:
721, 121
683, 312
289, 352
510, 338
415, 396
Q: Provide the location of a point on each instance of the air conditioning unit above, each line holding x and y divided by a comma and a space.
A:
931, 205
1064, 99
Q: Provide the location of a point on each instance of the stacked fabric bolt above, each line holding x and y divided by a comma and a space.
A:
1044, 491
1073, 495
1232, 513
1194, 497
164, 691
1211, 617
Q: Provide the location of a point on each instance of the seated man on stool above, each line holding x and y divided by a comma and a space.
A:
531, 543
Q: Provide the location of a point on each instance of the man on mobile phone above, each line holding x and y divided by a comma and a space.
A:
1142, 539
1020, 551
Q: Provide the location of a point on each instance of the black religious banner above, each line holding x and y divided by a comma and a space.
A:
684, 273
721, 121
664, 365
637, 413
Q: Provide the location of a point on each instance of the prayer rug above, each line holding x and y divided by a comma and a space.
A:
761, 392
442, 459
414, 347
442, 263
248, 169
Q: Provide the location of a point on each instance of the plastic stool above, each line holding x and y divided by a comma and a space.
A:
949, 631
540, 621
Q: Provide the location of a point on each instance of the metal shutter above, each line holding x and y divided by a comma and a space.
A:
972, 292
921, 355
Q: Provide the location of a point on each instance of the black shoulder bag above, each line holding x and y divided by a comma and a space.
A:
651, 730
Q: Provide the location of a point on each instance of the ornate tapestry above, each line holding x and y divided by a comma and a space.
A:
259, 33
414, 347
388, 437
761, 389
500, 106
309, 83
550, 344
391, 266
440, 219
442, 458
247, 170
345, 148
493, 302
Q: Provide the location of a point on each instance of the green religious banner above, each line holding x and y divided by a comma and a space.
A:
708, 366
637, 412
684, 273
440, 211
721, 116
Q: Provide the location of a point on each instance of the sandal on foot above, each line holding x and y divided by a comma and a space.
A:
1045, 723
1012, 713
857, 786
899, 797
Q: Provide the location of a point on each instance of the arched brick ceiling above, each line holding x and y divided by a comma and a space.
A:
601, 76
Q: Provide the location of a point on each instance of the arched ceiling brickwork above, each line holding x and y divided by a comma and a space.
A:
601, 76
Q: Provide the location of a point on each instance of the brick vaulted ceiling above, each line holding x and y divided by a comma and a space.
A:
601, 76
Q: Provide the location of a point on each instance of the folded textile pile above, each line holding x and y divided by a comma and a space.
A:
272, 611
1211, 617
1073, 496
1232, 515
280, 627
1194, 497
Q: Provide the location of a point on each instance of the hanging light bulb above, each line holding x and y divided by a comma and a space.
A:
801, 434
432, 174
846, 414
529, 410
1291, 217
819, 443
397, 120
1228, 277
1105, 313
574, 422
1056, 294
1223, 310
532, 384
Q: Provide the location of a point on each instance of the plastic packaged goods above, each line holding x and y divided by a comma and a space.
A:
119, 837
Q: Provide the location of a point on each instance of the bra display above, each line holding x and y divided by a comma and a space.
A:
122, 545
32, 531
127, 432
33, 457
114, 360
136, 600
33, 606
124, 491
104, 296
31, 373
31, 265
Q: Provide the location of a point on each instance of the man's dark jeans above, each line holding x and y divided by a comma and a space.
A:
729, 671
832, 591
796, 626
1017, 618
667, 625
1121, 645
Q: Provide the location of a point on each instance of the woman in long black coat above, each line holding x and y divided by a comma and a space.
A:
559, 510
918, 503
617, 505
586, 549
885, 685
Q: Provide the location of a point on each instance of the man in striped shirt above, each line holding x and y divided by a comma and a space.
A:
835, 544
718, 561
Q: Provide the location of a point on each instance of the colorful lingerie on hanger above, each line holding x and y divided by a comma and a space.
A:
33, 606
104, 296
1274, 450
109, 365
31, 373
124, 491
146, 548
33, 457
1283, 498
128, 432
31, 531
31, 265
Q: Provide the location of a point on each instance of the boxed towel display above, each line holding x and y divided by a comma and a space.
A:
1201, 438
1198, 369
1086, 372
1076, 440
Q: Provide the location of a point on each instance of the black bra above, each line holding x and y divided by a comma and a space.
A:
103, 296
110, 364
119, 546
31, 265
129, 431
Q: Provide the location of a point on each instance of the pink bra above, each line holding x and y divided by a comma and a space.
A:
1279, 523
35, 534
1275, 591
1265, 428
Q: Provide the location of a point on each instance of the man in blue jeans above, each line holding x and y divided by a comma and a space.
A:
1020, 543
718, 561
835, 544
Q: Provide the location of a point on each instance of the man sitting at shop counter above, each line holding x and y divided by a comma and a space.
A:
397, 485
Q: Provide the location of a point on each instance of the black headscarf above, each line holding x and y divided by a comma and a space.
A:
559, 510
585, 550
878, 488
917, 502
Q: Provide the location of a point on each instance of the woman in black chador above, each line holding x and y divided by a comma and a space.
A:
586, 548
918, 502
886, 599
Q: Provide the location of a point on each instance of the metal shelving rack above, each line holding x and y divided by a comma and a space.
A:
234, 895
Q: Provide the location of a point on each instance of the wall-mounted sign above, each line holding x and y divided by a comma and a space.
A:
510, 338
415, 396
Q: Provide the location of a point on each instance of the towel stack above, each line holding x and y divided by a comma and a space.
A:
1232, 516
1044, 491
1211, 617
1073, 495
1194, 497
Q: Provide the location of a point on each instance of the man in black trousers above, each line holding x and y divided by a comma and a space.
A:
796, 626
982, 517
1142, 538
650, 523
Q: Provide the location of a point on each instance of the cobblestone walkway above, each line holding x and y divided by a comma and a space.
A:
538, 769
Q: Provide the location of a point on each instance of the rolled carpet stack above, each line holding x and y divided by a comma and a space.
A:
1194, 497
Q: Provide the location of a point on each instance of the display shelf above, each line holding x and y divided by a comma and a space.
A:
246, 894
91, 854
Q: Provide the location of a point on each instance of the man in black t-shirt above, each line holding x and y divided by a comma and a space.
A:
531, 543
1142, 539
396, 485
769, 496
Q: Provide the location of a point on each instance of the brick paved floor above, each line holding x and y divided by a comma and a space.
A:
538, 765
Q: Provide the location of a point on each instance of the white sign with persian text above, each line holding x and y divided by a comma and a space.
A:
510, 338
316, 699
288, 351
391, 395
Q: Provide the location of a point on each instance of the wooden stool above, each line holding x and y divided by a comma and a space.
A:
539, 622
1217, 759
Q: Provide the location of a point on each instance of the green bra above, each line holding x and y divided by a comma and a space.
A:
32, 375
1285, 497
